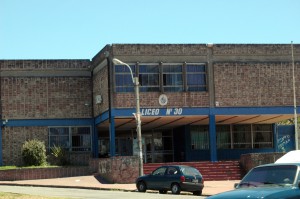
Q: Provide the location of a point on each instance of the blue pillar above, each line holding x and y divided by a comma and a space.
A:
275, 137
95, 141
1, 161
212, 138
112, 137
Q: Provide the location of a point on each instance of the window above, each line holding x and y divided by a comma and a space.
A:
199, 137
246, 136
223, 137
70, 138
172, 78
160, 171
196, 77
262, 136
242, 136
149, 78
167, 77
123, 78
81, 138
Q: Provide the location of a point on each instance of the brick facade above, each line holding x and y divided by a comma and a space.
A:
242, 75
254, 84
41, 89
239, 75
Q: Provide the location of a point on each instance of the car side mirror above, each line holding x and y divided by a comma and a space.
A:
236, 185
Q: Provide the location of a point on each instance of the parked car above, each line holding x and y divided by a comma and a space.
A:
278, 180
172, 178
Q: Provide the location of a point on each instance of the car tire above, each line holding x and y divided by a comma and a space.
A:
175, 188
141, 186
197, 193
162, 191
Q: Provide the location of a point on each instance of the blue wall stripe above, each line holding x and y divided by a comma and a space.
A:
50, 122
128, 112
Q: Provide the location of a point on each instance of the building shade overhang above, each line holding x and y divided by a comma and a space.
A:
166, 118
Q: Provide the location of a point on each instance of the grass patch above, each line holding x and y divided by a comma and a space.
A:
27, 167
4, 195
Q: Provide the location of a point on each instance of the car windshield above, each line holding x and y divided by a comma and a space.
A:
270, 175
190, 171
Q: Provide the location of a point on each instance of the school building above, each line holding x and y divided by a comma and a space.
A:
197, 102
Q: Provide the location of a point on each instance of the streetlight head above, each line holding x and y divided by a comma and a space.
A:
116, 61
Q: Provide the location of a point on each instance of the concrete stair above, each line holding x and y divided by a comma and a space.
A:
211, 171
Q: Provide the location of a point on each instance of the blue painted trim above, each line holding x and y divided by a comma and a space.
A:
185, 111
275, 137
101, 118
95, 146
112, 136
212, 138
49, 122
1, 149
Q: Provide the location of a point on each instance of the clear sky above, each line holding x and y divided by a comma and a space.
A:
78, 29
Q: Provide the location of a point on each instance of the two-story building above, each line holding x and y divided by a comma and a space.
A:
197, 102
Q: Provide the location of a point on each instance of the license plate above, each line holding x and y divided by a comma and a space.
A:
195, 180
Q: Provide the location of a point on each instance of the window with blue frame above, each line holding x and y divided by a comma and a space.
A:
166, 77
149, 77
242, 136
172, 78
196, 77
123, 78
71, 138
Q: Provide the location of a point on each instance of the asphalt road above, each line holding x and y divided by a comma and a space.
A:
88, 193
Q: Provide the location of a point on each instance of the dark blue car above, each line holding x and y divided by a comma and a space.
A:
267, 181
172, 178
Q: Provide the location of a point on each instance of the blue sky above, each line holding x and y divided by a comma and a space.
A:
78, 29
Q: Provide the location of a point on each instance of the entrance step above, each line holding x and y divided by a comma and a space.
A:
221, 170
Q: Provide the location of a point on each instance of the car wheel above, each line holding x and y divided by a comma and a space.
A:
141, 186
162, 191
175, 188
197, 193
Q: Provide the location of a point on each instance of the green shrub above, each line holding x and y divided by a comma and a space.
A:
60, 155
34, 153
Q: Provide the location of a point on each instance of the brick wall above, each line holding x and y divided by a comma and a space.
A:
43, 173
123, 169
254, 84
100, 88
42, 89
13, 139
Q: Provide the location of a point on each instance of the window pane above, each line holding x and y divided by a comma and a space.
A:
172, 78
242, 136
199, 137
196, 77
263, 136
123, 78
223, 137
81, 139
149, 78
78, 139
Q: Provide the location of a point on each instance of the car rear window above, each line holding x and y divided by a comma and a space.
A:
190, 171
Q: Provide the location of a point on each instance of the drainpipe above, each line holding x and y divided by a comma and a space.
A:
112, 136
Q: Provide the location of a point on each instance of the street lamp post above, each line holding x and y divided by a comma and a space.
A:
137, 115
295, 103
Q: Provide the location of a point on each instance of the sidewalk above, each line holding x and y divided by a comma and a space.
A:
93, 182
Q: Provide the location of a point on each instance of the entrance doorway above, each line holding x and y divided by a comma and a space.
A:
158, 147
